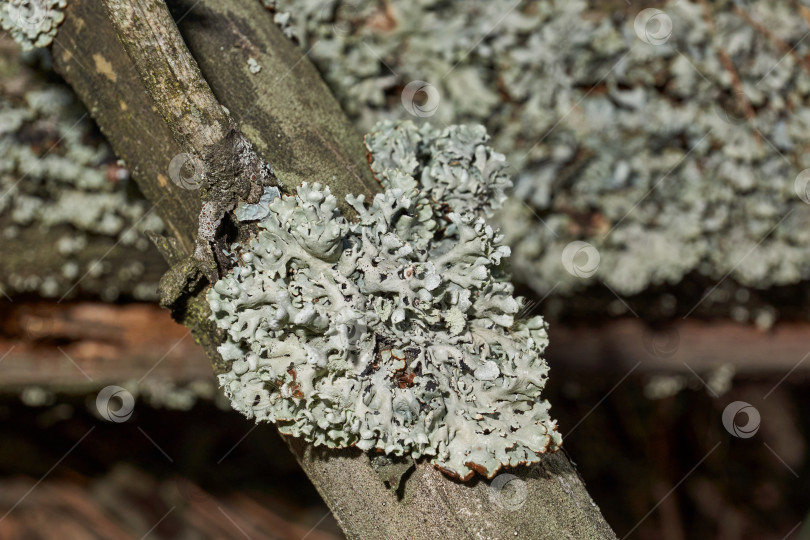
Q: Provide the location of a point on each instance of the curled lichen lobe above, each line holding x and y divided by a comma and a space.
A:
32, 23
398, 332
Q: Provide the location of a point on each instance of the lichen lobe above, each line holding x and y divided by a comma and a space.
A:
32, 23
397, 333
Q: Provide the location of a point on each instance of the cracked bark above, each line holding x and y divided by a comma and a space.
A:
295, 124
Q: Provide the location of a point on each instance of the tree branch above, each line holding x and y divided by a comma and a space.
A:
299, 128
180, 94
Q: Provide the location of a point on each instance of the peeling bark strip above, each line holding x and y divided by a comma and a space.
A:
230, 170
286, 110
427, 504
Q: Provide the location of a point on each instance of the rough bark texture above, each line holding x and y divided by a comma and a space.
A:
285, 109
297, 123
171, 75
88, 55
431, 505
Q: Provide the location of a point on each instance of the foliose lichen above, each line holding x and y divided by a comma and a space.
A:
32, 23
397, 332
62, 190
672, 154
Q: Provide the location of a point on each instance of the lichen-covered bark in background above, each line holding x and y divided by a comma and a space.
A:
674, 155
72, 221
602, 96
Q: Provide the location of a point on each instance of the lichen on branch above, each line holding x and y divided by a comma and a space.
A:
398, 332
32, 23
644, 148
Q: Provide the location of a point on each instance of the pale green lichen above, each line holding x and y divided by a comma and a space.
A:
643, 151
398, 332
32, 23
61, 187
254, 66
459, 168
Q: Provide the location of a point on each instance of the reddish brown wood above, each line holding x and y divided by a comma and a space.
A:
125, 503
621, 344
114, 343
70, 344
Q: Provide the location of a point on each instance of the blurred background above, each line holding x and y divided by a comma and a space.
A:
660, 222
